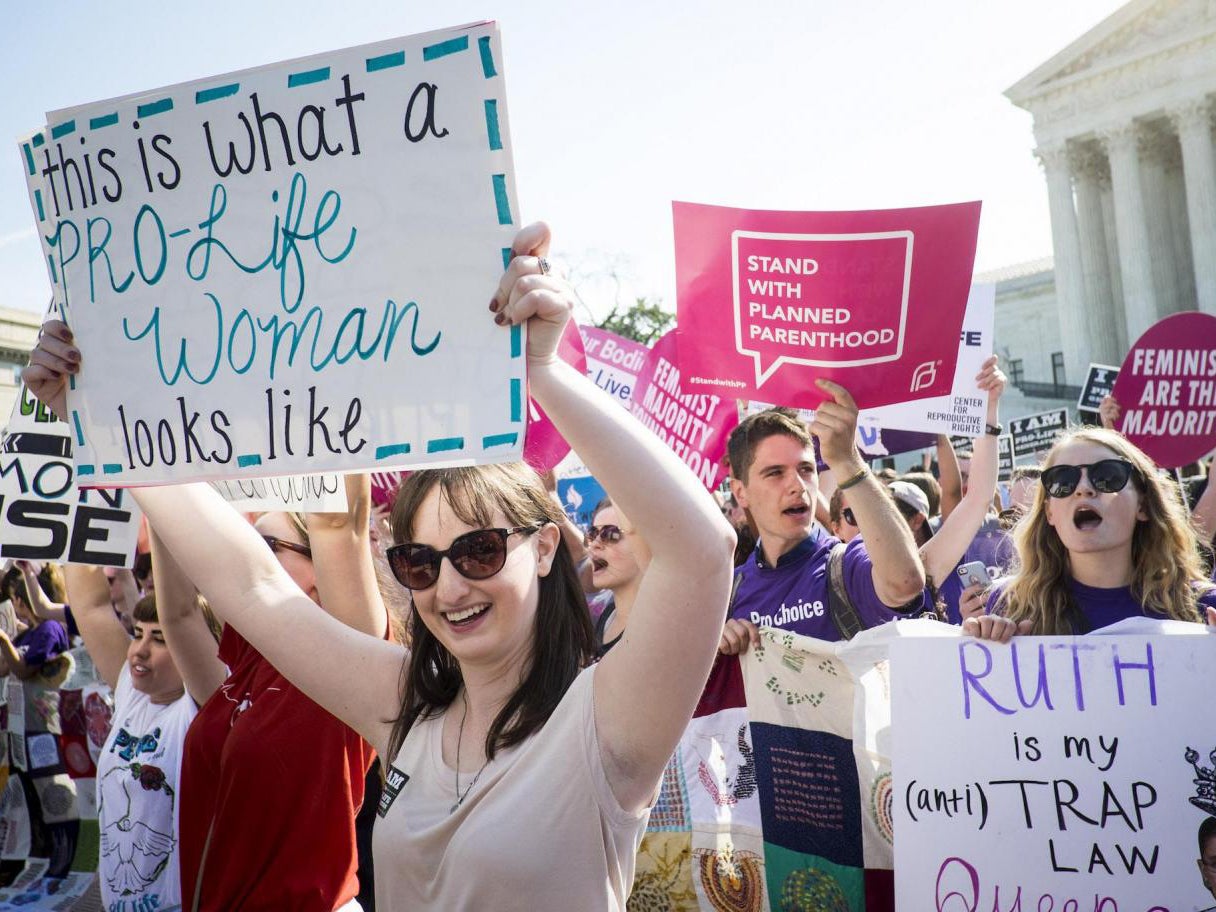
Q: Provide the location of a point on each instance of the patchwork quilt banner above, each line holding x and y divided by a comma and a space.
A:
779, 794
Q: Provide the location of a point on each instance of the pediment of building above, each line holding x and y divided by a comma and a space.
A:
1141, 29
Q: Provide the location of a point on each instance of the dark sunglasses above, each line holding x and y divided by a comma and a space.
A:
608, 535
1106, 476
847, 515
276, 544
476, 555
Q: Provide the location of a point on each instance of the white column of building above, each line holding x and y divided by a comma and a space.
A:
1135, 266
1112, 261
1101, 318
1193, 122
1153, 149
1066, 247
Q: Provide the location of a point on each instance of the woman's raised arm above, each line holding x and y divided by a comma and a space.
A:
945, 549
351, 674
648, 686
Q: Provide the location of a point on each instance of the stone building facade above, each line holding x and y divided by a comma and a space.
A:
1123, 122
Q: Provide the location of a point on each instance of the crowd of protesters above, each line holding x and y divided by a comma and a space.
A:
258, 685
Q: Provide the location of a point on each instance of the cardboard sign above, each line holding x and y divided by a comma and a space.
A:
1167, 388
44, 514
1099, 383
613, 362
1051, 773
297, 493
768, 302
286, 269
1036, 433
964, 411
694, 425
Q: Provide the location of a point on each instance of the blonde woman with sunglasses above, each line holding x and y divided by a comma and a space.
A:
619, 559
519, 775
1106, 538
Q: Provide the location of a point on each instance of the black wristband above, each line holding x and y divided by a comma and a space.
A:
994, 430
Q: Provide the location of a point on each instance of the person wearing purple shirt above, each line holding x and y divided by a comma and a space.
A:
784, 583
1105, 539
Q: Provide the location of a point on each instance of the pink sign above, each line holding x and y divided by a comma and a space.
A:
613, 362
1167, 388
768, 302
694, 425
544, 447
385, 485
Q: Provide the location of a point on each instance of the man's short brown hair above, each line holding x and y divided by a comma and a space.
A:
741, 447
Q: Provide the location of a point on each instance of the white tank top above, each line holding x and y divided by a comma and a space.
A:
541, 828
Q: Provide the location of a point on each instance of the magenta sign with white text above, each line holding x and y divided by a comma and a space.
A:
1167, 390
694, 425
770, 301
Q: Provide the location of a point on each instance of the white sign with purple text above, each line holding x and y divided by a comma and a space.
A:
1063, 773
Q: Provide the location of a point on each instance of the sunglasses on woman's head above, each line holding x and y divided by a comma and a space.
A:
476, 555
277, 544
606, 534
1107, 476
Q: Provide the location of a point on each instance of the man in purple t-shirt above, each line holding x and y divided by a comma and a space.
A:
784, 583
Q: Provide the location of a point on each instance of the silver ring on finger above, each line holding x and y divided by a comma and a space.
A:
543, 264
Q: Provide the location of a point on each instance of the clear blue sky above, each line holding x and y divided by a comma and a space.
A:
618, 109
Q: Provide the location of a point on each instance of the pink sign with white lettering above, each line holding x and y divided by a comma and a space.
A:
768, 301
1167, 388
694, 425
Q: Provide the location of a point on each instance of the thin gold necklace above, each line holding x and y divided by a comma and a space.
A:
459, 738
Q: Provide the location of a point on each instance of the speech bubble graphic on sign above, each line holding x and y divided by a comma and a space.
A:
768, 302
785, 311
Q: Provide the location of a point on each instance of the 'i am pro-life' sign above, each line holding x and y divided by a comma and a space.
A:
284, 270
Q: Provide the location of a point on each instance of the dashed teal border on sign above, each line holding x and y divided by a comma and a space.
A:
378, 63
308, 77
492, 133
385, 61
202, 96
392, 449
443, 48
154, 107
487, 57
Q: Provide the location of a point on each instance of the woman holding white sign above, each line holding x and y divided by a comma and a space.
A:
519, 774
1106, 539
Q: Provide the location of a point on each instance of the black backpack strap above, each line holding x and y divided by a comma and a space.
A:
734, 591
848, 622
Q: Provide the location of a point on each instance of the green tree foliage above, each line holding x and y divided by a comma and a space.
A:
644, 321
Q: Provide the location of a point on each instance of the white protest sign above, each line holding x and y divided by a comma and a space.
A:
286, 269
964, 410
44, 516
299, 493
1052, 773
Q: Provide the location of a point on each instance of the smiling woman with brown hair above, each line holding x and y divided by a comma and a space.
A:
519, 774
